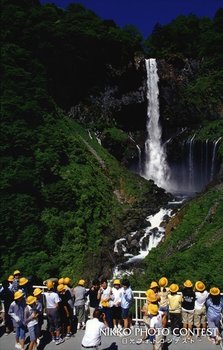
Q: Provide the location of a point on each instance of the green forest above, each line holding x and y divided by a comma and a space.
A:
65, 198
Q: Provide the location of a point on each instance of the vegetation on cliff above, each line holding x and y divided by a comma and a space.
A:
65, 199
193, 244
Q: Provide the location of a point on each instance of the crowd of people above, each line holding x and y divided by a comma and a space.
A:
66, 307
67, 311
192, 307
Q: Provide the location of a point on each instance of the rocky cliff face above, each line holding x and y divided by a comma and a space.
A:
122, 104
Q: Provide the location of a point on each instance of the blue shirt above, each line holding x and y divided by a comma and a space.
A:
126, 298
213, 310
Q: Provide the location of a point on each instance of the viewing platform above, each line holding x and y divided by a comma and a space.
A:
111, 342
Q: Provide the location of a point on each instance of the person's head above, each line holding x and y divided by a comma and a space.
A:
81, 282
116, 283
174, 288
61, 288
125, 284
104, 283
10, 278
199, 286
23, 282
31, 300
67, 281
215, 295
37, 292
18, 296
163, 282
96, 314
188, 285
95, 283
154, 286
151, 296
50, 285
17, 274
153, 310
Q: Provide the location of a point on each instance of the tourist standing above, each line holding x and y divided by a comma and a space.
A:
52, 305
188, 307
126, 302
16, 311
80, 296
93, 296
214, 309
200, 315
175, 301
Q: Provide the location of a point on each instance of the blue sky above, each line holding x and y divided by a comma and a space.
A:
144, 14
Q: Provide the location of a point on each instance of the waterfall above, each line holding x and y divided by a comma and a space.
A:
197, 167
213, 158
191, 163
156, 167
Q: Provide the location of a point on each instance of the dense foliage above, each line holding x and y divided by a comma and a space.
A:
65, 198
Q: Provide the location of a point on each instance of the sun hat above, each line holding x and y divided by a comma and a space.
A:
61, 287
188, 284
18, 294
16, 272
163, 282
23, 281
151, 296
50, 284
61, 280
174, 288
153, 284
199, 286
10, 278
116, 281
214, 291
37, 291
30, 300
153, 309
81, 282
66, 280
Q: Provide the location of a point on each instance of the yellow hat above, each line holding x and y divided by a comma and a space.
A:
50, 284
61, 287
10, 278
66, 280
18, 294
151, 296
215, 291
23, 281
200, 286
16, 272
61, 280
81, 282
174, 288
154, 284
153, 309
30, 300
163, 282
116, 281
37, 291
188, 284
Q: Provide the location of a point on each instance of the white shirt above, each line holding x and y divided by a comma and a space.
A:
156, 321
200, 300
117, 295
52, 299
92, 335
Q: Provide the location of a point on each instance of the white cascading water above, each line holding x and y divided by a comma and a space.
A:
156, 167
